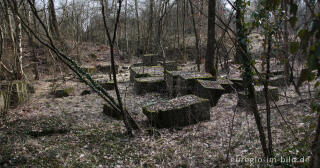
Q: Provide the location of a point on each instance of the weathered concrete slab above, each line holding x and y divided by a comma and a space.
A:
279, 81
105, 83
275, 72
171, 81
106, 67
149, 84
138, 64
64, 92
260, 97
237, 83
145, 71
90, 69
170, 65
227, 85
186, 82
150, 59
180, 111
109, 111
211, 90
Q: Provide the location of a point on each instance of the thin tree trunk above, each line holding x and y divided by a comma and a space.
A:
137, 22
243, 54
183, 32
177, 32
32, 44
150, 26
125, 26
196, 36
286, 41
128, 120
210, 54
1, 42
266, 93
53, 20
315, 158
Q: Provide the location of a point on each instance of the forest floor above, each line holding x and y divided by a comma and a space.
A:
73, 132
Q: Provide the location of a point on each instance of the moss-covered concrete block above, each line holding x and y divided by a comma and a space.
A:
150, 59
180, 111
93, 56
138, 64
149, 84
211, 90
31, 88
18, 91
260, 97
171, 78
109, 111
275, 72
90, 69
85, 92
279, 81
170, 65
106, 68
186, 82
64, 92
227, 84
145, 71
106, 84
237, 83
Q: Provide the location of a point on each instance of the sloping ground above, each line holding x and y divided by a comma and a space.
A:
73, 132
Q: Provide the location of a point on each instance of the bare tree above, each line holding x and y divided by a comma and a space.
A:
129, 122
196, 36
244, 57
210, 54
53, 22
138, 23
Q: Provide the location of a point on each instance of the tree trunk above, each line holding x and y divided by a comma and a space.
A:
33, 46
138, 23
128, 120
53, 23
196, 36
315, 159
286, 41
183, 32
244, 57
266, 93
150, 26
210, 54
19, 54
125, 26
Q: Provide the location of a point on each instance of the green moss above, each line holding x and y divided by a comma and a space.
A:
148, 55
143, 80
93, 56
69, 90
204, 100
204, 77
90, 69
64, 92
